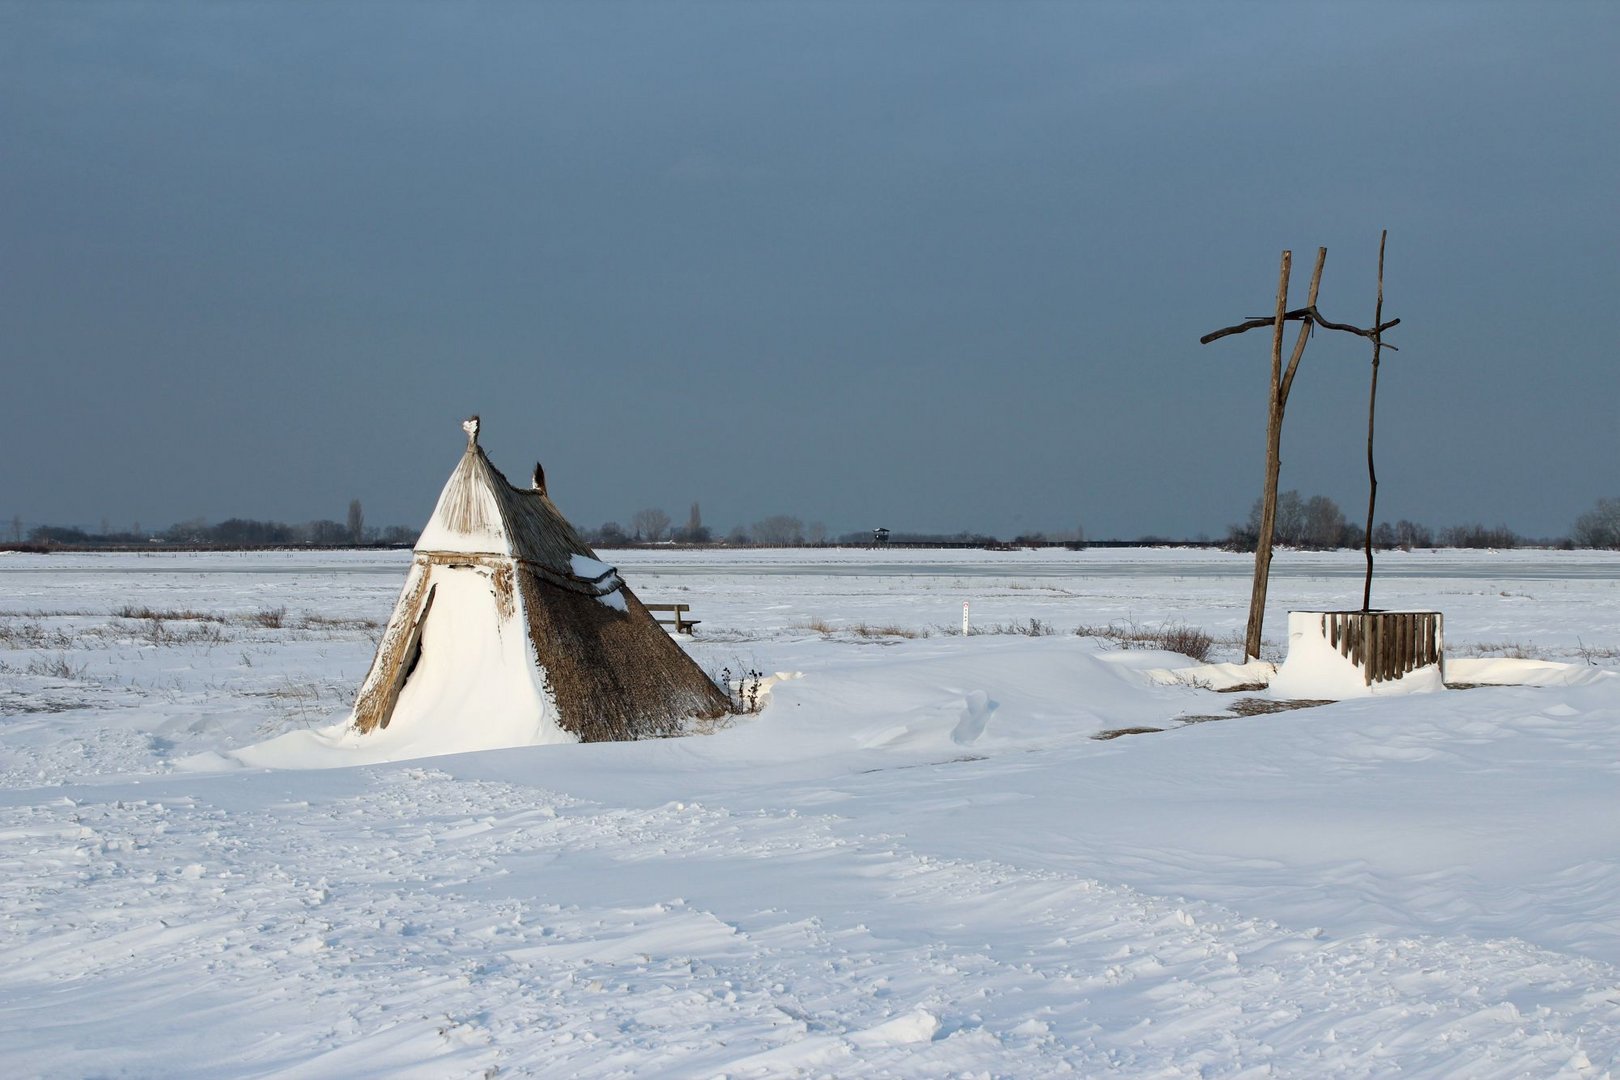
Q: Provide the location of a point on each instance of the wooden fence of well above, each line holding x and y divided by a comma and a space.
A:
1386, 645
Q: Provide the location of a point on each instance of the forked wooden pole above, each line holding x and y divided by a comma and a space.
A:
1268, 504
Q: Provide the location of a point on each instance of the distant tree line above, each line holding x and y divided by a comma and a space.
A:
901, 536
652, 526
1071, 538
1317, 524
234, 532
1314, 523
231, 533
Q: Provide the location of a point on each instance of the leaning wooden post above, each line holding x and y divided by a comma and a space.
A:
1372, 403
1282, 381
1268, 501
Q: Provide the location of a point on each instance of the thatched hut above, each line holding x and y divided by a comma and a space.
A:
508, 619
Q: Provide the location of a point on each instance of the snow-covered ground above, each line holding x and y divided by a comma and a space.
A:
915, 861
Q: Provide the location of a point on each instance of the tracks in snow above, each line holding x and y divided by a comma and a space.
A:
430, 926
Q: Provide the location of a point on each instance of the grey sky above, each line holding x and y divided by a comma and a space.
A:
935, 266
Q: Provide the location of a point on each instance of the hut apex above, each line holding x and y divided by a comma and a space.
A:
539, 481
510, 631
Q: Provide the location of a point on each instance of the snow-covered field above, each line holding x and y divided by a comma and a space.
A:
916, 861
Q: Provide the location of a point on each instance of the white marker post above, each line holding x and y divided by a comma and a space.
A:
964, 618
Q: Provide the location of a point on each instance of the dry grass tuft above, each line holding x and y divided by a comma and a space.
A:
1595, 654
1189, 641
891, 631
303, 704
32, 634
56, 667
130, 611
312, 621
863, 630
1186, 640
158, 632
1512, 650
1028, 628
269, 618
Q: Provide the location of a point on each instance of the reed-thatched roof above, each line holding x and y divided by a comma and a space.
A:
601, 665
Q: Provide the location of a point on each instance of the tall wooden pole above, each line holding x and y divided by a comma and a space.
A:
1372, 403
1268, 500
1282, 381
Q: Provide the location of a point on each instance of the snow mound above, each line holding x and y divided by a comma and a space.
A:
477, 663
1214, 676
1508, 671
919, 1026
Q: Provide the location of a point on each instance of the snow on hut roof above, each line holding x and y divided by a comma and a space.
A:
481, 513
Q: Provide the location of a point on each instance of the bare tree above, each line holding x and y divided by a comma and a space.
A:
1599, 527
816, 532
193, 531
1479, 536
694, 531
357, 522
649, 524
1287, 518
321, 533
1324, 523
779, 529
16, 528
1409, 535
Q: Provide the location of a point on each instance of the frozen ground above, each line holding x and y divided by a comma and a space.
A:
916, 861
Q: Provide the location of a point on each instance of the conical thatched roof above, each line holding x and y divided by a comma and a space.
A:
499, 567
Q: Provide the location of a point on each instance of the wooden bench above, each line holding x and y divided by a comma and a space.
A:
678, 618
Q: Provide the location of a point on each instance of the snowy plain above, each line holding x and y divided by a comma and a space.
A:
915, 861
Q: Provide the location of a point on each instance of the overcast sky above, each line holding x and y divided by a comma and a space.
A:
928, 266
